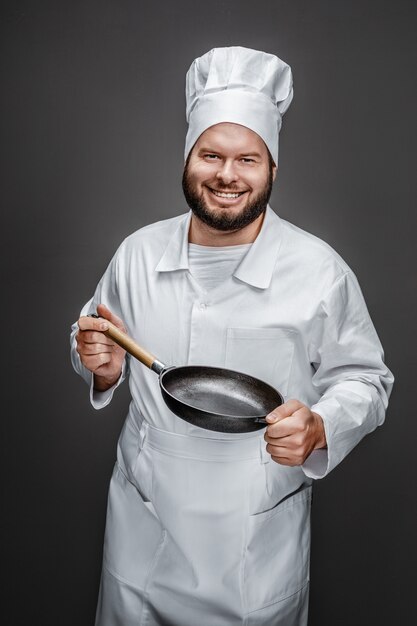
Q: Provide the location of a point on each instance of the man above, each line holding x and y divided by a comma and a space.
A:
204, 527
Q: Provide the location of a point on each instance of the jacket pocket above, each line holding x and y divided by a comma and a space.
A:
266, 353
277, 558
134, 458
134, 534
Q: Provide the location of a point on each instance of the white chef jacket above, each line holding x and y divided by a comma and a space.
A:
292, 314
202, 527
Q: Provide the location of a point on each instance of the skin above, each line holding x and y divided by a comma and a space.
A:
98, 353
226, 158
294, 432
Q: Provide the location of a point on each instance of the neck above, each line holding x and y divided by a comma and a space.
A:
204, 235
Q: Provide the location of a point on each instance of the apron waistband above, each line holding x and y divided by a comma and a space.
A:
209, 449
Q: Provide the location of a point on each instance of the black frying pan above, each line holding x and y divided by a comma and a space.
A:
210, 397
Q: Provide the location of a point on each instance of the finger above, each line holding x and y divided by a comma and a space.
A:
280, 439
283, 411
93, 363
90, 336
283, 460
92, 323
293, 424
284, 456
96, 348
280, 455
294, 443
289, 433
104, 311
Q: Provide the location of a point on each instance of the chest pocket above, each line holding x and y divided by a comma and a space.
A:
266, 353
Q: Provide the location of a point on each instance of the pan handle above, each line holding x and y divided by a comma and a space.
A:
128, 344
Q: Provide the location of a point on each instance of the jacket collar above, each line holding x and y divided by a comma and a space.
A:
257, 266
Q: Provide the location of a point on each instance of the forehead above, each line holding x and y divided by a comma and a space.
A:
231, 137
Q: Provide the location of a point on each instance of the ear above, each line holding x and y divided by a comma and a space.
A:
274, 172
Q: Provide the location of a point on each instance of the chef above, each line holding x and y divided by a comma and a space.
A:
204, 527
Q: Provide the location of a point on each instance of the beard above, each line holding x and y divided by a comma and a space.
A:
222, 220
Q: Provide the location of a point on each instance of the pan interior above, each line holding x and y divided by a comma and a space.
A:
220, 391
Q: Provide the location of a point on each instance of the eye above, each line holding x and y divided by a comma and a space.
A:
247, 160
211, 157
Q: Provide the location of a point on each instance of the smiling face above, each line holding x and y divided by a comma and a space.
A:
227, 182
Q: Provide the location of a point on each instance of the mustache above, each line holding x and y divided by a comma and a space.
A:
222, 187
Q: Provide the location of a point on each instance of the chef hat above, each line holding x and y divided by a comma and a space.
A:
238, 85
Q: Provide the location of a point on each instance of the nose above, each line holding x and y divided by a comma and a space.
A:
227, 173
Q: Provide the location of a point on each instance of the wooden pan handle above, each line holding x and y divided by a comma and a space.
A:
128, 344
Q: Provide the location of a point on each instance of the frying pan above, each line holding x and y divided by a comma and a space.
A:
213, 398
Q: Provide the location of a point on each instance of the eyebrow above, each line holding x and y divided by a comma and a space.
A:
242, 154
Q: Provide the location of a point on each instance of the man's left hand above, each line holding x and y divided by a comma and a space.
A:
293, 433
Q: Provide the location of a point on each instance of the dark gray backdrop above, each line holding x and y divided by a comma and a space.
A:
92, 132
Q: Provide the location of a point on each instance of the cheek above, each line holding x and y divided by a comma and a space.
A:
255, 177
207, 172
201, 176
257, 183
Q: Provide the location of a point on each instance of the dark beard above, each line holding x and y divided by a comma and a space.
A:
224, 221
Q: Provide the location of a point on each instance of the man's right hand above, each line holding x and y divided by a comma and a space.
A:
98, 353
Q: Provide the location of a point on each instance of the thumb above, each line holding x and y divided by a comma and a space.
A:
276, 415
284, 410
106, 314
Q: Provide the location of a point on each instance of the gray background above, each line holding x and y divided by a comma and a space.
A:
92, 132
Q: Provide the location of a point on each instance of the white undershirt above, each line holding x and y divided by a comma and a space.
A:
210, 265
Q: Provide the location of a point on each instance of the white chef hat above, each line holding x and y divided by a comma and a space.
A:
238, 85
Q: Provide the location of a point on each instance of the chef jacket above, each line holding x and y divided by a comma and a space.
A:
292, 314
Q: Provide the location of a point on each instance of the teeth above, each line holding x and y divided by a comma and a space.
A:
220, 194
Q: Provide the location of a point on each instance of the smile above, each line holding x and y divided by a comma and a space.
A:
223, 194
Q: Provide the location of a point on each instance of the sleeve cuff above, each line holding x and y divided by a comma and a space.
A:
100, 399
317, 464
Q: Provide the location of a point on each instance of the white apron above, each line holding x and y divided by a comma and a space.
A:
203, 532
